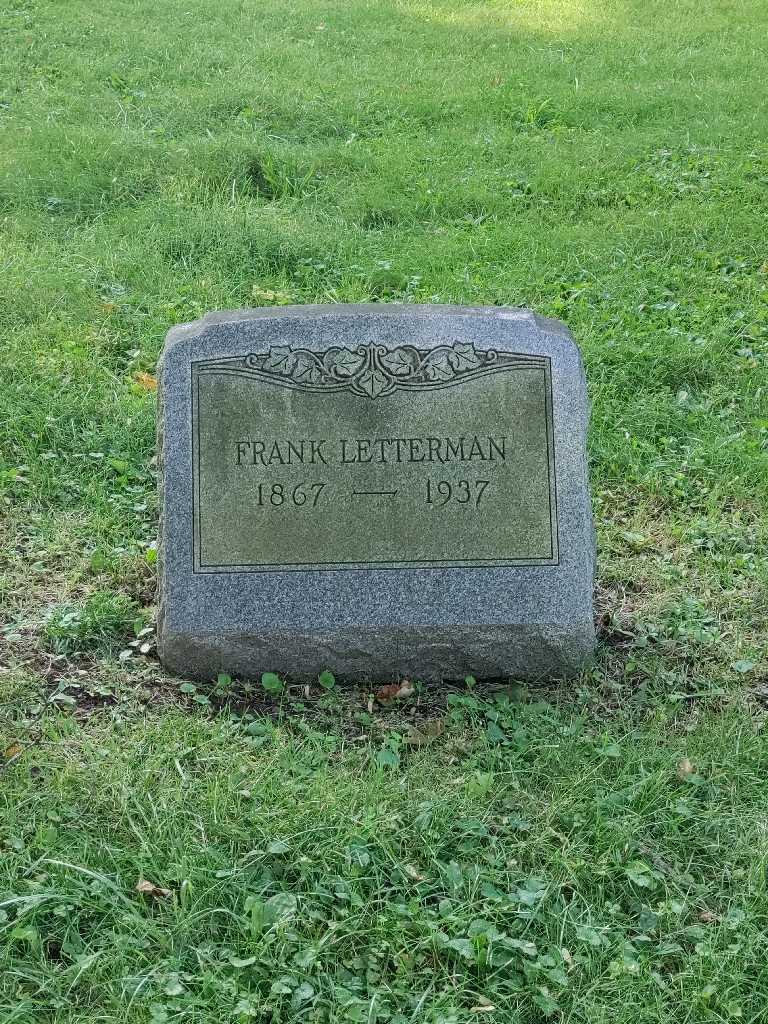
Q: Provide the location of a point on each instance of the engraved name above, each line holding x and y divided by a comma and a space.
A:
382, 450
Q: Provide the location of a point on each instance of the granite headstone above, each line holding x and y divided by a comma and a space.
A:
377, 490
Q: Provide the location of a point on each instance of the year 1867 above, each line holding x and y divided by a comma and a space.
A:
303, 494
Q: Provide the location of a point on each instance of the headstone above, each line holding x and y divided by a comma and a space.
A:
381, 490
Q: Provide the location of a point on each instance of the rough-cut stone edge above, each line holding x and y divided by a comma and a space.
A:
483, 651
524, 651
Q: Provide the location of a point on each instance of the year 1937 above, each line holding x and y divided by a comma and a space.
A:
463, 492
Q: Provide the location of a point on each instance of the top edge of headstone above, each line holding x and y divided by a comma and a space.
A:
187, 331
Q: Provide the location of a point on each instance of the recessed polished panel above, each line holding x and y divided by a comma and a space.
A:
376, 456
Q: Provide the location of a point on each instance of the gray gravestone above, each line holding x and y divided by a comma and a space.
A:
381, 491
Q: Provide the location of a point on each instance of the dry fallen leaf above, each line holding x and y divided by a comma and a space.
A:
384, 694
150, 889
146, 381
483, 1006
435, 727
685, 769
428, 732
394, 691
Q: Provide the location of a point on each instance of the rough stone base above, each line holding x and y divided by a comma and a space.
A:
365, 655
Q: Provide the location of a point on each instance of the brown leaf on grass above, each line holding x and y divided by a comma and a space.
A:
150, 889
426, 734
685, 769
394, 691
146, 381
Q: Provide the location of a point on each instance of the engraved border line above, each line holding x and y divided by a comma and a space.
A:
516, 361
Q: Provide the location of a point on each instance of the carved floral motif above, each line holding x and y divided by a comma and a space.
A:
372, 370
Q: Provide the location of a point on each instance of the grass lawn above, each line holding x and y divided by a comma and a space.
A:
587, 852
